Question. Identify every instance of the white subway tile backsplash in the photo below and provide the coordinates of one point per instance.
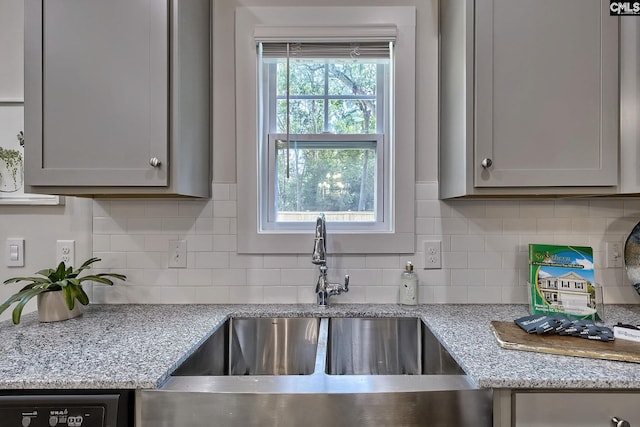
(485, 260)
(426, 190)
(195, 209)
(502, 243)
(212, 295)
(519, 225)
(101, 242)
(425, 225)
(452, 226)
(195, 277)
(106, 225)
(467, 208)
(588, 225)
(571, 208)
(281, 295)
(211, 260)
(467, 277)
(161, 208)
(484, 251)
(246, 294)
(224, 242)
(606, 208)
(135, 225)
(553, 225)
(225, 209)
(485, 225)
(468, 243)
(178, 225)
(127, 243)
(220, 192)
(127, 208)
(450, 295)
(146, 259)
(227, 276)
(200, 243)
(451, 260)
(384, 261)
(221, 226)
(160, 277)
(263, 277)
(484, 295)
(502, 209)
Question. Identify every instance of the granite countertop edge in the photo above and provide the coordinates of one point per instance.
(138, 346)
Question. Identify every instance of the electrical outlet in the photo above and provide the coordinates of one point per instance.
(613, 252)
(177, 253)
(432, 254)
(66, 252)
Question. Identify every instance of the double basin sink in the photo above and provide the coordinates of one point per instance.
(319, 371)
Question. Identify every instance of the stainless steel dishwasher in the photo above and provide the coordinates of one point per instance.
(66, 408)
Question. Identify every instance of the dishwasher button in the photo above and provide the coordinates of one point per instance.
(26, 421)
(53, 421)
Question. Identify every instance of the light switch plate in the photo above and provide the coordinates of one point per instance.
(14, 253)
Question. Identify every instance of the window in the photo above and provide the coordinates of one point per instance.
(325, 110)
(344, 131)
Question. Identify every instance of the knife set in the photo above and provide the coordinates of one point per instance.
(561, 325)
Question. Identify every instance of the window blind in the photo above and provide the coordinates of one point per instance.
(372, 41)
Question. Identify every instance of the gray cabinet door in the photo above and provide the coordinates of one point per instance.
(546, 93)
(97, 99)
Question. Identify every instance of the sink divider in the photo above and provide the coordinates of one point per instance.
(321, 349)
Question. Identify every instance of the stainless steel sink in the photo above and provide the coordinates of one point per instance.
(316, 372)
(257, 346)
(386, 346)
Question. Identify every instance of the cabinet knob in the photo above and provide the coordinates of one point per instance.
(155, 162)
(617, 422)
(486, 163)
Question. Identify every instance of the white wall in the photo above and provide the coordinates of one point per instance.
(484, 242)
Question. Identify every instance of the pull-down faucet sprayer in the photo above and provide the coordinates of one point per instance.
(324, 289)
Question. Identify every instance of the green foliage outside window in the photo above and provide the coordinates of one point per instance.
(327, 96)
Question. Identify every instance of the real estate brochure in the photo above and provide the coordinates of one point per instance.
(561, 281)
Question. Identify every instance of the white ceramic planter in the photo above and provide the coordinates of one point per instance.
(52, 307)
(11, 171)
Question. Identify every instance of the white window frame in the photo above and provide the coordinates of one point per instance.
(325, 23)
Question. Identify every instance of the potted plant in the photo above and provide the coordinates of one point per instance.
(57, 291)
(10, 170)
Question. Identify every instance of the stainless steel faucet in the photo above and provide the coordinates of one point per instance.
(324, 289)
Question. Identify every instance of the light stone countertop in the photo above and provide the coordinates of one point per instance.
(138, 346)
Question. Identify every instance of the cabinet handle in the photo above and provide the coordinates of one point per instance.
(155, 162)
(486, 163)
(617, 422)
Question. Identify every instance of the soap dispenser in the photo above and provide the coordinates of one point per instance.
(408, 286)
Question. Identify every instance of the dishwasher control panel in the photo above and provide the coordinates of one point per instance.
(59, 411)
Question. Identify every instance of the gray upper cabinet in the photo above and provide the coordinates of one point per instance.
(529, 98)
(117, 97)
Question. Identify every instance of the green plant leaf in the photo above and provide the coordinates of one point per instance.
(69, 297)
(46, 272)
(78, 293)
(26, 296)
(25, 279)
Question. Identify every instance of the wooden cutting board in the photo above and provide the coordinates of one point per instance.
(511, 336)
